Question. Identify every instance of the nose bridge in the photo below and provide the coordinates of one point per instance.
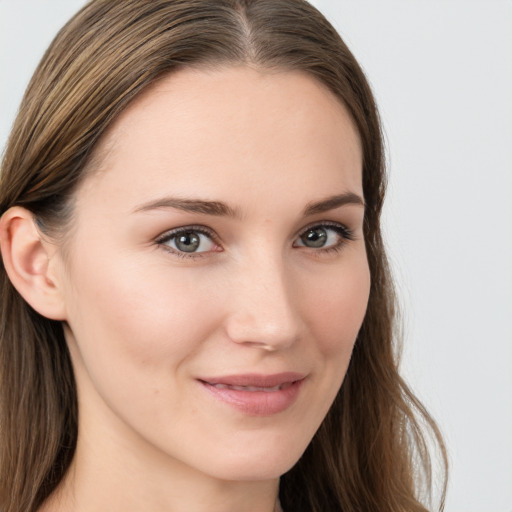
(264, 311)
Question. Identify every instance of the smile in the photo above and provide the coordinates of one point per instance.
(253, 388)
(256, 395)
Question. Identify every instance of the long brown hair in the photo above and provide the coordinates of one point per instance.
(371, 453)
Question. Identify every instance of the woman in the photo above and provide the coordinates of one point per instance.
(197, 310)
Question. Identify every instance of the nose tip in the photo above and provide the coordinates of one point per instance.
(254, 330)
(264, 315)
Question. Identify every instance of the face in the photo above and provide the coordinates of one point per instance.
(216, 276)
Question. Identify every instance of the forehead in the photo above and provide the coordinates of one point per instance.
(234, 126)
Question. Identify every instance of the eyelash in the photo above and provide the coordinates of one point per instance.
(170, 235)
(344, 232)
(346, 235)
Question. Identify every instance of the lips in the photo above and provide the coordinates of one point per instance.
(253, 388)
(255, 394)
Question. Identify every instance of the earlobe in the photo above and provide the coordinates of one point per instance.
(27, 256)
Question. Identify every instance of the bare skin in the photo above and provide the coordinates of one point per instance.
(273, 282)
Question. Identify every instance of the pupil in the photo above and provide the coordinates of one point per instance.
(187, 242)
(315, 237)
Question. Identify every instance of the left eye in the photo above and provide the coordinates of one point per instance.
(189, 241)
(323, 237)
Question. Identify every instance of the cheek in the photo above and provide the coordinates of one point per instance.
(338, 306)
(139, 316)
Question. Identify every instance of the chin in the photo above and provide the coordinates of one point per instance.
(256, 465)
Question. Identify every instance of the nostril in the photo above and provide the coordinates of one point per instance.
(263, 311)
(268, 335)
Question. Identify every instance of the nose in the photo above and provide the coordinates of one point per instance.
(264, 311)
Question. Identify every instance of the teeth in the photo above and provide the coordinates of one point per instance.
(251, 388)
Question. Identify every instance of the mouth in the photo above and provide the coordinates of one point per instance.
(254, 394)
(252, 388)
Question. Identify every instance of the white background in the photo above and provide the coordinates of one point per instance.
(442, 74)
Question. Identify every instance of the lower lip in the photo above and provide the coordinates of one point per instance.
(257, 403)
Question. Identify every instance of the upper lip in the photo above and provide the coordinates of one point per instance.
(255, 379)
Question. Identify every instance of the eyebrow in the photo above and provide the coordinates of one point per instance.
(220, 209)
(205, 207)
(333, 202)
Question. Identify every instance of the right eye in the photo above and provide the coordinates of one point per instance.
(188, 241)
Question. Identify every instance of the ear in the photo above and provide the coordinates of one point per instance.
(30, 262)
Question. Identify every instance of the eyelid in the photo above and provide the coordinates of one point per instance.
(328, 224)
(172, 233)
(346, 234)
(167, 235)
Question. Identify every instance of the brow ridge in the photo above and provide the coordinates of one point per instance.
(333, 202)
(217, 208)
